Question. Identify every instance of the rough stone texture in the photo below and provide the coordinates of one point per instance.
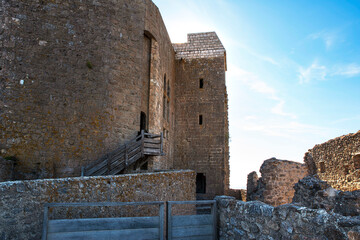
(21, 202)
(257, 220)
(202, 147)
(6, 170)
(314, 193)
(238, 194)
(72, 81)
(278, 177)
(337, 162)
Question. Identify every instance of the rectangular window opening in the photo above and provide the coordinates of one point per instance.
(322, 167)
(200, 183)
(201, 83)
(200, 119)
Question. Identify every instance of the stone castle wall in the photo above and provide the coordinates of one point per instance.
(257, 220)
(337, 162)
(276, 185)
(73, 81)
(22, 202)
(201, 112)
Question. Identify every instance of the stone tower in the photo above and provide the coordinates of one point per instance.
(201, 140)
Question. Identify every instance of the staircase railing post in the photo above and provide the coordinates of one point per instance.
(142, 143)
(161, 143)
(108, 164)
(126, 156)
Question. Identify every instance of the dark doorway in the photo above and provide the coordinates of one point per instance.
(200, 183)
(143, 125)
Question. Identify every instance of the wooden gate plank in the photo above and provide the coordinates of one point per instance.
(192, 231)
(191, 220)
(128, 234)
(94, 224)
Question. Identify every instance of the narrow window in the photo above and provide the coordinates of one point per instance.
(143, 125)
(164, 82)
(200, 183)
(164, 133)
(322, 167)
(200, 119)
(164, 107)
(201, 85)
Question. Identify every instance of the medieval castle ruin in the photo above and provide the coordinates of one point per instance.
(97, 105)
(80, 79)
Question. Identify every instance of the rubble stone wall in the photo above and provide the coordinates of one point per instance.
(72, 81)
(314, 193)
(278, 177)
(337, 162)
(257, 220)
(22, 202)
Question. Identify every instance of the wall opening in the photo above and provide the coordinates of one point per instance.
(144, 166)
(200, 119)
(200, 183)
(201, 83)
(322, 167)
(143, 121)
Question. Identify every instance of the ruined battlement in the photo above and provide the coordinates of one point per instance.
(200, 45)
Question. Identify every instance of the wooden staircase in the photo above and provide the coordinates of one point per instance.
(145, 144)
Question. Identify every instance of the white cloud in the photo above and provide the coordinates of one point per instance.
(313, 72)
(328, 37)
(252, 81)
(350, 70)
(279, 110)
(317, 72)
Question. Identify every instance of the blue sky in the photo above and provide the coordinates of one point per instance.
(293, 74)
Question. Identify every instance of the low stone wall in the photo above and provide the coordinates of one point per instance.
(21, 202)
(257, 220)
(337, 162)
(278, 177)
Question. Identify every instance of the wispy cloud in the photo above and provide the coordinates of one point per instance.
(328, 37)
(254, 83)
(316, 71)
(313, 72)
(350, 70)
(279, 110)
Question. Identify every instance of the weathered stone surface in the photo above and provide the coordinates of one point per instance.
(285, 222)
(21, 202)
(72, 81)
(275, 186)
(337, 162)
(317, 194)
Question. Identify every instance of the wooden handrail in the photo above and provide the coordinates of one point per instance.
(126, 154)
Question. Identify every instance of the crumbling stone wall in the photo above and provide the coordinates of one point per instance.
(21, 202)
(278, 177)
(337, 162)
(72, 81)
(314, 193)
(257, 220)
(201, 139)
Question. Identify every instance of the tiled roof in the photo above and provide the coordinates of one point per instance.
(200, 45)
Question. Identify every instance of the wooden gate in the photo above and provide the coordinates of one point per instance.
(194, 223)
(132, 228)
(199, 224)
